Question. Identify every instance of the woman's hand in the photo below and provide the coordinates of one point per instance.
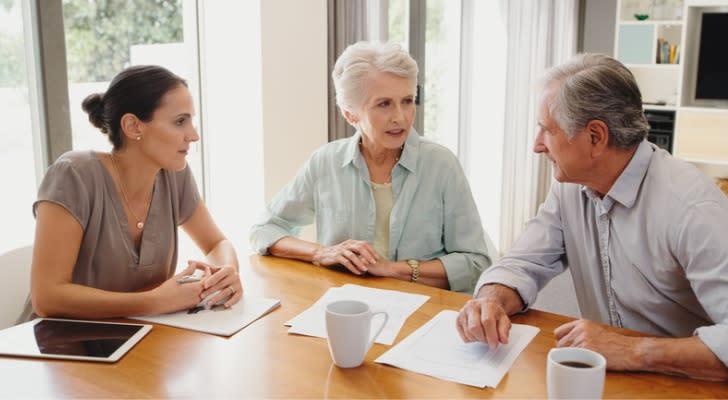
(356, 255)
(385, 267)
(176, 296)
(223, 278)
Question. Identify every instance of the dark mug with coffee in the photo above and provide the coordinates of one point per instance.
(575, 373)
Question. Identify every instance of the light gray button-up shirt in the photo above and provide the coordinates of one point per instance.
(433, 216)
(652, 255)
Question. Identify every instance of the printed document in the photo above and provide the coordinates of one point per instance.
(436, 349)
(398, 305)
(218, 320)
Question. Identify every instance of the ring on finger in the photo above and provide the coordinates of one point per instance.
(232, 290)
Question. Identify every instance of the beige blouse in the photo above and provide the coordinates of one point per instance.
(107, 259)
(383, 200)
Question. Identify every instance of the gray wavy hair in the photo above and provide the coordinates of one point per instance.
(598, 87)
(361, 59)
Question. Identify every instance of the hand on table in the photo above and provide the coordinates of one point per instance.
(223, 278)
(616, 348)
(383, 267)
(484, 320)
(174, 296)
(356, 255)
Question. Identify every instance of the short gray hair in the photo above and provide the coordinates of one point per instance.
(361, 59)
(598, 87)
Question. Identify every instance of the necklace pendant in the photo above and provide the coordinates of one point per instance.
(140, 225)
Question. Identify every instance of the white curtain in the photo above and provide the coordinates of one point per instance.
(541, 33)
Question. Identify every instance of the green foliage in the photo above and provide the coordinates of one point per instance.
(434, 36)
(99, 33)
(12, 52)
(397, 23)
(433, 27)
(12, 60)
(6, 5)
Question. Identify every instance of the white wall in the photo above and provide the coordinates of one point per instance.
(294, 50)
(263, 67)
(598, 29)
(231, 107)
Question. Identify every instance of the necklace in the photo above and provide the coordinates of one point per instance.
(139, 223)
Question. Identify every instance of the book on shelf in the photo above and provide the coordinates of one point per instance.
(667, 53)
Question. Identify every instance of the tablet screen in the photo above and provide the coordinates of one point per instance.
(59, 338)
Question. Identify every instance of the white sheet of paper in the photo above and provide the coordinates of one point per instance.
(399, 306)
(436, 349)
(220, 321)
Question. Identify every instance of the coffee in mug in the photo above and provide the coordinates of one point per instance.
(575, 373)
(348, 328)
(576, 364)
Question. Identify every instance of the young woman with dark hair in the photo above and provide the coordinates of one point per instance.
(106, 241)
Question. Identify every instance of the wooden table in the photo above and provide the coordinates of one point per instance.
(264, 361)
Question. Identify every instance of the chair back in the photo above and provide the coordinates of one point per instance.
(14, 284)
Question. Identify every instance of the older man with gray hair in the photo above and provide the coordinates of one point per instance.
(642, 232)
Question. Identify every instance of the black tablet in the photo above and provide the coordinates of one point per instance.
(71, 339)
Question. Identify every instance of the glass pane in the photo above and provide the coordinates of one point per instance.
(232, 95)
(105, 36)
(399, 22)
(442, 72)
(16, 136)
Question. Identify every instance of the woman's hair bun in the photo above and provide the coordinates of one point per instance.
(93, 105)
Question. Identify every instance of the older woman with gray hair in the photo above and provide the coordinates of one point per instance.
(385, 201)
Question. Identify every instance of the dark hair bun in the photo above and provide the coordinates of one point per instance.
(93, 105)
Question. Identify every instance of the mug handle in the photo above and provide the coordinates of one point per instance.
(374, 337)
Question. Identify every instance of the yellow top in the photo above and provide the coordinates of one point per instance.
(383, 200)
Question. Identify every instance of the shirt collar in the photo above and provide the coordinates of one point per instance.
(408, 159)
(409, 156)
(352, 150)
(626, 187)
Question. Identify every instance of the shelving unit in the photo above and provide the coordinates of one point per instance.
(700, 134)
(636, 46)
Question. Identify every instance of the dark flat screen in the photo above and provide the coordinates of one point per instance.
(712, 76)
(79, 338)
(74, 339)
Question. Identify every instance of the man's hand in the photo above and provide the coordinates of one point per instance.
(619, 350)
(484, 320)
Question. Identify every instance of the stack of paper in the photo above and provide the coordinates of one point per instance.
(437, 350)
(398, 305)
(219, 320)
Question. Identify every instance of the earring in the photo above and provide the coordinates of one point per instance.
(138, 138)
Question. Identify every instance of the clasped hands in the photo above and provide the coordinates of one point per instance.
(224, 279)
(485, 320)
(358, 256)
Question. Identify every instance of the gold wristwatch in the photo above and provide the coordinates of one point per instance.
(415, 265)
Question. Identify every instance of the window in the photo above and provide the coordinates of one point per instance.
(462, 44)
(103, 37)
(441, 64)
(17, 152)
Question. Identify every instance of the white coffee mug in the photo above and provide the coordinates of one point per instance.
(348, 327)
(575, 373)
